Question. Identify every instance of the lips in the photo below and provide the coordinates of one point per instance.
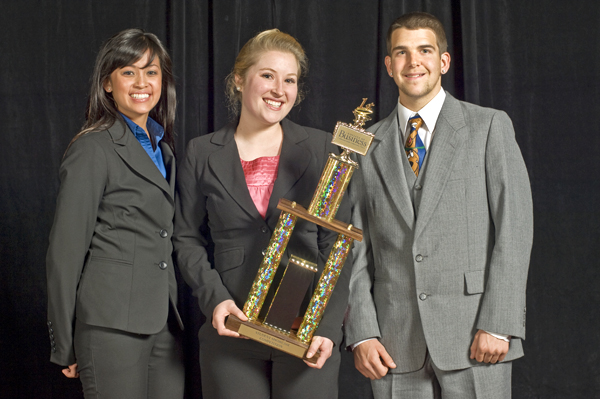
(273, 103)
(414, 75)
(139, 96)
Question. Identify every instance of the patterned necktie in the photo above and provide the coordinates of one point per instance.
(414, 147)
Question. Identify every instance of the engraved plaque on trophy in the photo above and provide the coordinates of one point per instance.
(275, 329)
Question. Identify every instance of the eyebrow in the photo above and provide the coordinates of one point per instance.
(274, 71)
(422, 46)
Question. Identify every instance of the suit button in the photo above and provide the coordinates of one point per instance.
(49, 324)
(418, 187)
(162, 265)
(264, 229)
(419, 258)
(422, 296)
(264, 251)
(53, 350)
(163, 233)
(50, 330)
(52, 337)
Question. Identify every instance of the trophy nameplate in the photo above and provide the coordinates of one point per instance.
(276, 329)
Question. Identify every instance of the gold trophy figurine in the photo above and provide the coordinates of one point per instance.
(275, 329)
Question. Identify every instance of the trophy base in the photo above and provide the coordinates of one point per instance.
(265, 335)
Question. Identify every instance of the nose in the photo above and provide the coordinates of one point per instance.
(277, 89)
(141, 79)
(414, 59)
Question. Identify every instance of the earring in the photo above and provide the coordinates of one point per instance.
(443, 71)
(237, 88)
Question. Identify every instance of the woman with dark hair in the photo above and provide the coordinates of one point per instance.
(112, 293)
(228, 187)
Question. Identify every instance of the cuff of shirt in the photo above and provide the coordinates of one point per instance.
(354, 345)
(503, 337)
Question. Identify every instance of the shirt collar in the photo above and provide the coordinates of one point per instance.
(429, 113)
(154, 128)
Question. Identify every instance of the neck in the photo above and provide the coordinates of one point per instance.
(258, 141)
(416, 104)
(141, 121)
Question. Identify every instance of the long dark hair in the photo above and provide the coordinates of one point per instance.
(123, 49)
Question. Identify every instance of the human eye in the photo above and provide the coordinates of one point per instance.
(152, 72)
(290, 81)
(267, 75)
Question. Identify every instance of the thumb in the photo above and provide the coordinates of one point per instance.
(387, 359)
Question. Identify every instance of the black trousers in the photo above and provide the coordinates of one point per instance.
(116, 364)
(242, 368)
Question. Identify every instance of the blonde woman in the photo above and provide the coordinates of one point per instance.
(229, 184)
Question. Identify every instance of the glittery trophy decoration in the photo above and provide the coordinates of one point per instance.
(275, 328)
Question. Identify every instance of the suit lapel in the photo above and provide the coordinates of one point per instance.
(449, 136)
(293, 162)
(226, 165)
(133, 154)
(387, 158)
(169, 159)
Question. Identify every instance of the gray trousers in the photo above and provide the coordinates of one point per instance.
(116, 364)
(234, 368)
(491, 381)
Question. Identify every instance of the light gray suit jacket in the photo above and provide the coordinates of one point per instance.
(447, 254)
(109, 260)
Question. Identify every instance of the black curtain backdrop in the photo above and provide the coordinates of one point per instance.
(535, 59)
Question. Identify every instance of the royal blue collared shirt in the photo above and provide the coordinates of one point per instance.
(157, 132)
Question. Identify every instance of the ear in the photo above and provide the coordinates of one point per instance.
(445, 61)
(388, 65)
(107, 85)
(238, 83)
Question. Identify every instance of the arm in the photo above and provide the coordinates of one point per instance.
(361, 325)
(83, 174)
(509, 196)
(190, 238)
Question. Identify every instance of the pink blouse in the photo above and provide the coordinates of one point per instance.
(261, 174)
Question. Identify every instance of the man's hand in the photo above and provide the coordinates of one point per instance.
(488, 349)
(372, 360)
(325, 345)
(71, 371)
(223, 310)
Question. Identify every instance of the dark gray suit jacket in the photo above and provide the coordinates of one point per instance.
(449, 254)
(214, 205)
(109, 261)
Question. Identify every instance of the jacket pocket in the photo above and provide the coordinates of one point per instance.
(474, 282)
(229, 259)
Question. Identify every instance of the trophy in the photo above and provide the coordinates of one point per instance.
(275, 328)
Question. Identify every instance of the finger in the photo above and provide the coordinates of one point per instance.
(479, 355)
(501, 357)
(239, 314)
(314, 346)
(473, 350)
(387, 359)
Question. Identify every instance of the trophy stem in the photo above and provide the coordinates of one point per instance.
(269, 265)
(324, 289)
(332, 186)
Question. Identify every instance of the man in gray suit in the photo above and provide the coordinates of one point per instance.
(437, 295)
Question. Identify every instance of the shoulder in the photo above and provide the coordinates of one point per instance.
(474, 112)
(306, 136)
(90, 144)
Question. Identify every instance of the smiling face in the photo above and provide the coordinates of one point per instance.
(416, 66)
(136, 88)
(269, 89)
